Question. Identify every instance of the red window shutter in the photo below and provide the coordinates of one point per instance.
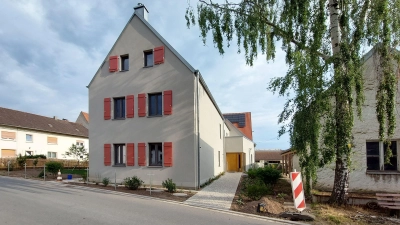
(107, 154)
(130, 154)
(107, 108)
(142, 154)
(130, 106)
(142, 105)
(159, 55)
(168, 154)
(113, 63)
(168, 102)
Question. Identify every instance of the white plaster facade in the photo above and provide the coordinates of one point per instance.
(37, 143)
(362, 179)
(196, 127)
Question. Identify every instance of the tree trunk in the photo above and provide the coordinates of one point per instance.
(342, 112)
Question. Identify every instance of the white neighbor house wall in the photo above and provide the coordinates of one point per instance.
(211, 138)
(178, 128)
(363, 131)
(236, 144)
(39, 143)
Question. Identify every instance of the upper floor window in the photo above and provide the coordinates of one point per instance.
(79, 143)
(29, 138)
(52, 140)
(148, 58)
(155, 104)
(376, 152)
(5, 135)
(119, 108)
(124, 62)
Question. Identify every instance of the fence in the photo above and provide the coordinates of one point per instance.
(30, 163)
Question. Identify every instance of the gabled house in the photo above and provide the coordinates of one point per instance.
(29, 134)
(152, 113)
(368, 172)
(268, 156)
(83, 119)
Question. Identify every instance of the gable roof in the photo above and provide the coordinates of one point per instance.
(18, 119)
(243, 122)
(268, 155)
(85, 115)
(190, 67)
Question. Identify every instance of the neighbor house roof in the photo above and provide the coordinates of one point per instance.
(268, 155)
(86, 115)
(18, 119)
(242, 121)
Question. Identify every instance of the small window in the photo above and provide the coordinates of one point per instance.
(219, 158)
(124, 62)
(52, 155)
(119, 108)
(119, 154)
(155, 154)
(28, 152)
(155, 104)
(148, 59)
(79, 143)
(29, 138)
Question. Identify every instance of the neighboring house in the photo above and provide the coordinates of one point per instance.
(83, 119)
(368, 172)
(242, 121)
(29, 134)
(152, 113)
(265, 157)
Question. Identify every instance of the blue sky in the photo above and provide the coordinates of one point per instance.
(50, 50)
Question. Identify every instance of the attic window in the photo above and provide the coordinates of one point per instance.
(148, 58)
(124, 62)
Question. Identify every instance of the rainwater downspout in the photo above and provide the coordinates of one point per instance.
(197, 74)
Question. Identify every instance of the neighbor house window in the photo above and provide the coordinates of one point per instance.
(79, 143)
(119, 108)
(28, 152)
(155, 154)
(124, 62)
(5, 135)
(51, 155)
(29, 138)
(155, 104)
(51, 140)
(119, 154)
(376, 152)
(148, 58)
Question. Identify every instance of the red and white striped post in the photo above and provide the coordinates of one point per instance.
(297, 189)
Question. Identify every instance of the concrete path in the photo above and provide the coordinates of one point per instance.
(219, 194)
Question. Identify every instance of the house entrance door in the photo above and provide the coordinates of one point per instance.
(234, 162)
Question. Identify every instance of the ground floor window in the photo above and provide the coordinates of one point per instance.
(376, 152)
(155, 154)
(119, 154)
(28, 152)
(52, 155)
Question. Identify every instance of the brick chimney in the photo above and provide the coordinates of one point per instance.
(141, 11)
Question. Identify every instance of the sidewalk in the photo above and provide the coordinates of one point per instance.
(219, 194)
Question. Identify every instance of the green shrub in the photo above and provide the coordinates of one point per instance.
(169, 185)
(133, 183)
(53, 167)
(84, 177)
(21, 160)
(268, 175)
(255, 188)
(41, 174)
(36, 157)
(35, 162)
(106, 181)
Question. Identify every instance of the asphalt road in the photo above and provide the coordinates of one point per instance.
(38, 202)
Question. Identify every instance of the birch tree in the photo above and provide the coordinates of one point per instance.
(324, 41)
